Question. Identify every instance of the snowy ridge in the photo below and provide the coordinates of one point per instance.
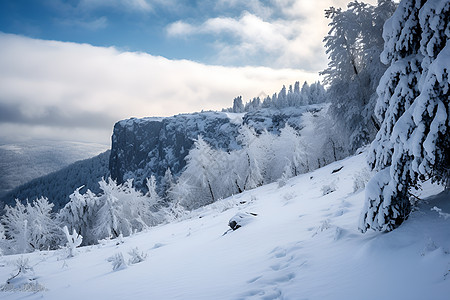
(303, 244)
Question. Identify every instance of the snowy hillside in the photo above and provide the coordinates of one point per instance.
(22, 162)
(303, 243)
(58, 185)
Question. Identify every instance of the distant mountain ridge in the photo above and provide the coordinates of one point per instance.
(58, 185)
(24, 161)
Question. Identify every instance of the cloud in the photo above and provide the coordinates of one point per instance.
(78, 90)
(278, 34)
(96, 24)
(130, 5)
(180, 29)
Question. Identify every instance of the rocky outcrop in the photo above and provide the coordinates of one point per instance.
(148, 146)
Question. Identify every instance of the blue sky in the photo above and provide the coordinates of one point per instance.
(127, 25)
(71, 69)
(225, 32)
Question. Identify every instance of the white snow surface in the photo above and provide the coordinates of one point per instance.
(301, 245)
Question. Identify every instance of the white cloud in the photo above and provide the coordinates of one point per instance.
(286, 33)
(96, 24)
(132, 5)
(77, 89)
(180, 29)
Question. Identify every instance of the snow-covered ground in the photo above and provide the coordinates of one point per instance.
(301, 245)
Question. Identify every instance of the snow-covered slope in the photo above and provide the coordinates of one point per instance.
(58, 185)
(301, 245)
(24, 161)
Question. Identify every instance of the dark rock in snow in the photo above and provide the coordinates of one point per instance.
(337, 170)
(241, 219)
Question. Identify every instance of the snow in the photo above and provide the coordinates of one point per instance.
(301, 245)
(235, 118)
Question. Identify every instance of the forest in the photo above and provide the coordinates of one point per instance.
(385, 92)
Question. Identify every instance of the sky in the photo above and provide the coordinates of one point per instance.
(70, 69)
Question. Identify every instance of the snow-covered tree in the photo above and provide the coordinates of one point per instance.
(31, 227)
(122, 209)
(167, 183)
(353, 45)
(199, 174)
(73, 240)
(15, 221)
(79, 214)
(250, 169)
(110, 221)
(44, 232)
(238, 105)
(413, 104)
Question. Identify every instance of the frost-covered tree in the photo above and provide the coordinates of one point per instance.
(110, 220)
(15, 221)
(167, 183)
(73, 240)
(199, 174)
(250, 171)
(288, 154)
(79, 214)
(353, 45)
(122, 209)
(412, 144)
(30, 226)
(238, 105)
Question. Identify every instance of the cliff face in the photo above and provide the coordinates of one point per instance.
(148, 146)
(142, 147)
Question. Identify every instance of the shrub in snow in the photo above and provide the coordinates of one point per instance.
(136, 256)
(73, 240)
(441, 214)
(360, 180)
(329, 188)
(119, 239)
(22, 279)
(413, 143)
(241, 219)
(117, 261)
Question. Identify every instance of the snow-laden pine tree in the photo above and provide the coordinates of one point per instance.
(238, 105)
(110, 221)
(30, 226)
(200, 175)
(15, 221)
(167, 183)
(3, 242)
(412, 144)
(123, 210)
(353, 45)
(250, 171)
(79, 214)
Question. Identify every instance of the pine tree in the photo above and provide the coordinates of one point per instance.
(167, 183)
(238, 105)
(199, 173)
(353, 44)
(412, 144)
(79, 214)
